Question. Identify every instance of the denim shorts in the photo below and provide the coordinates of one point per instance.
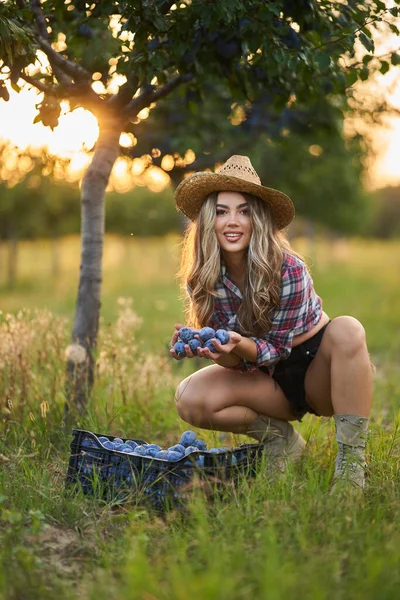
(290, 373)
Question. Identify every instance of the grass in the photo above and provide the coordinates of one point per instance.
(287, 540)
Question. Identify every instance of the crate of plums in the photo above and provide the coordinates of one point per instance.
(120, 469)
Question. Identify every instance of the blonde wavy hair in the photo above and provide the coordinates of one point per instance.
(201, 264)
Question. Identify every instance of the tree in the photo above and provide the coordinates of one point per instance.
(291, 48)
(386, 222)
(300, 150)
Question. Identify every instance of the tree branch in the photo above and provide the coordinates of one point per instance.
(40, 19)
(387, 55)
(42, 87)
(339, 39)
(85, 95)
(125, 93)
(67, 66)
(64, 69)
(42, 29)
(150, 96)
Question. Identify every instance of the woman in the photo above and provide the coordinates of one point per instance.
(285, 357)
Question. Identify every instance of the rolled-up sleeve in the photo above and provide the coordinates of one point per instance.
(299, 310)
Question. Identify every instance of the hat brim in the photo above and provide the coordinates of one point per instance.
(192, 191)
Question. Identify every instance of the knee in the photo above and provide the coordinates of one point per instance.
(190, 405)
(346, 333)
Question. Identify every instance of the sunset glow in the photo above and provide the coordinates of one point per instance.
(75, 136)
(73, 139)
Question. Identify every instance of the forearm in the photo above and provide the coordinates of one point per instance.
(246, 349)
(227, 360)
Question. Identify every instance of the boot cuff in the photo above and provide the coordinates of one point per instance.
(351, 429)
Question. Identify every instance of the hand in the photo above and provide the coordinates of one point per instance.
(174, 339)
(234, 339)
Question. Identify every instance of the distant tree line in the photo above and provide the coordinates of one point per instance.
(386, 213)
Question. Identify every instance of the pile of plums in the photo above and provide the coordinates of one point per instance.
(199, 339)
(188, 444)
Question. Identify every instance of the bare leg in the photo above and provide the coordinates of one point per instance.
(339, 383)
(339, 380)
(251, 403)
(225, 400)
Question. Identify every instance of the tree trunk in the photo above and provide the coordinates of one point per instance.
(80, 367)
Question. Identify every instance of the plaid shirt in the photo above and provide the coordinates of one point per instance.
(300, 309)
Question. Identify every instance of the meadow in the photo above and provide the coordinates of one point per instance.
(290, 539)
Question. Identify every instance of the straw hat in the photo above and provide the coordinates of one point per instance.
(236, 175)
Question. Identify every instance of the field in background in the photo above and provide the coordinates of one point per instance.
(286, 540)
(356, 277)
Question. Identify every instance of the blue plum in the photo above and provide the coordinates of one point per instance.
(117, 440)
(187, 438)
(109, 445)
(207, 333)
(210, 346)
(103, 439)
(186, 334)
(222, 336)
(131, 443)
(153, 447)
(194, 344)
(177, 448)
(88, 443)
(152, 451)
(191, 449)
(179, 348)
(140, 450)
(200, 445)
(162, 454)
(173, 456)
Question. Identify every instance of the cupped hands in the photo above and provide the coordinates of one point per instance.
(205, 352)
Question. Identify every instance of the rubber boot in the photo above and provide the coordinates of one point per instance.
(351, 437)
(281, 442)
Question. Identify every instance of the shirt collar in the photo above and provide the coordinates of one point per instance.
(227, 281)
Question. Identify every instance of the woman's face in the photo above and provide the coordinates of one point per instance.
(233, 225)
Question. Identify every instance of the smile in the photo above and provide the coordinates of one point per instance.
(233, 237)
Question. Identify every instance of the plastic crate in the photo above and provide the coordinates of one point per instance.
(162, 484)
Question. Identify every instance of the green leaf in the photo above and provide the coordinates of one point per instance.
(367, 59)
(395, 58)
(37, 119)
(15, 87)
(384, 67)
(394, 11)
(324, 60)
(364, 74)
(351, 77)
(366, 42)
